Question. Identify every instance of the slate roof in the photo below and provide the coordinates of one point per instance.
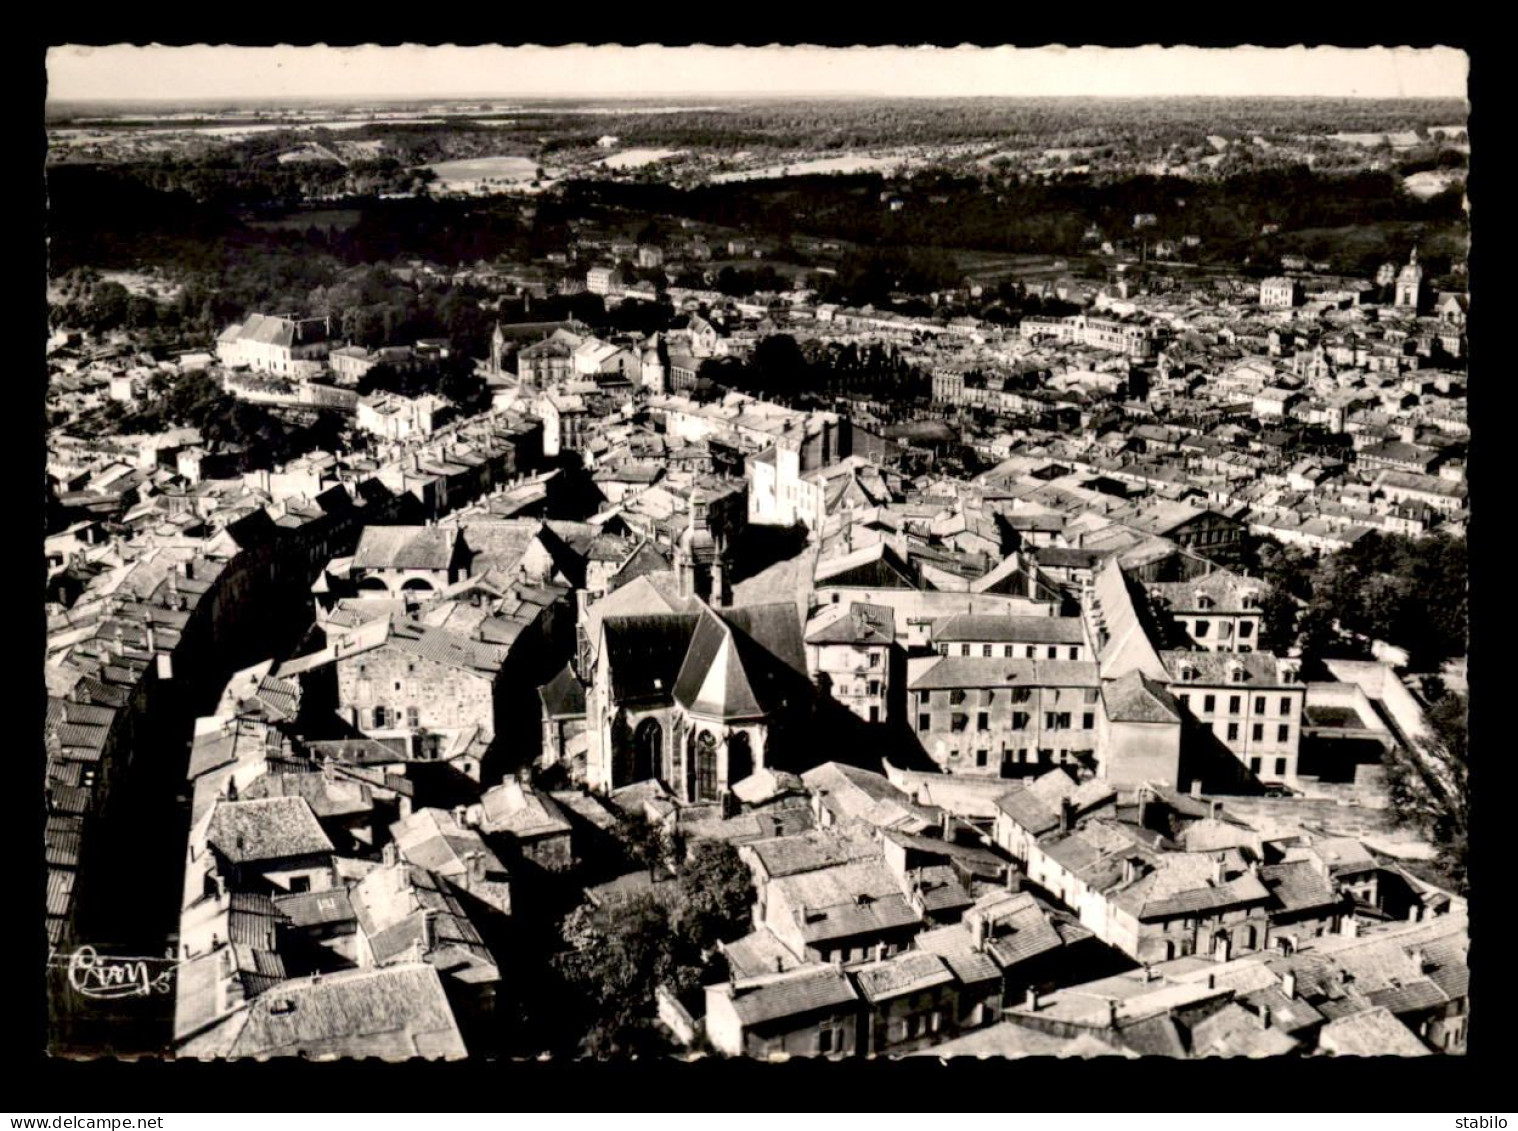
(563, 697)
(644, 654)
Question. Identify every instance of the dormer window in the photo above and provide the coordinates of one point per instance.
(1203, 601)
(1235, 673)
(1188, 673)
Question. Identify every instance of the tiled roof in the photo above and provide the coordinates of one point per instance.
(1008, 629)
(909, 972)
(791, 994)
(394, 1013)
(1297, 886)
(975, 671)
(272, 829)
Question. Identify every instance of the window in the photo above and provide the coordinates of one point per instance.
(874, 686)
(1233, 732)
(1259, 704)
(1053, 652)
(874, 714)
(1246, 629)
(1022, 694)
(1186, 700)
(300, 883)
(1209, 703)
(380, 717)
(982, 757)
(983, 721)
(964, 649)
(922, 697)
(397, 685)
(957, 696)
(1007, 651)
(1020, 720)
(1254, 765)
(825, 1039)
(365, 690)
(1286, 704)
(1201, 629)
(1258, 732)
(1088, 720)
(1028, 653)
(943, 649)
(1075, 653)
(874, 659)
(1236, 674)
(1280, 765)
(985, 651)
(924, 722)
(958, 721)
(1283, 733)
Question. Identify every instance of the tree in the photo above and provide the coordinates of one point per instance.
(715, 891)
(1429, 786)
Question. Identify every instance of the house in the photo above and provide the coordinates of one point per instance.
(434, 691)
(530, 821)
(1216, 612)
(910, 999)
(273, 843)
(1280, 291)
(811, 1011)
(440, 842)
(407, 914)
(849, 652)
(394, 1013)
(1252, 703)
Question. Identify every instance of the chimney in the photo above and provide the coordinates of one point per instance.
(1264, 1017)
(1350, 927)
(946, 826)
(1213, 806)
(1418, 959)
(1196, 787)
(1289, 984)
(1031, 1005)
(1220, 870)
(1212, 981)
(1066, 814)
(459, 813)
(1112, 1013)
(779, 964)
(1014, 879)
(390, 854)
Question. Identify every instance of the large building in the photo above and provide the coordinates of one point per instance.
(282, 345)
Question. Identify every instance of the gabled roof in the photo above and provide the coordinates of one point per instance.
(270, 829)
(771, 997)
(1135, 698)
(405, 547)
(645, 655)
(563, 697)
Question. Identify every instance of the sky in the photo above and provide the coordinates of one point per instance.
(202, 72)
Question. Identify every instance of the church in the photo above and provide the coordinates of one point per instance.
(691, 693)
(1410, 285)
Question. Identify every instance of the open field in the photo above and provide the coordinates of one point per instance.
(474, 170)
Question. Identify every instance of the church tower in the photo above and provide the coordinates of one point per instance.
(1410, 284)
(497, 350)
